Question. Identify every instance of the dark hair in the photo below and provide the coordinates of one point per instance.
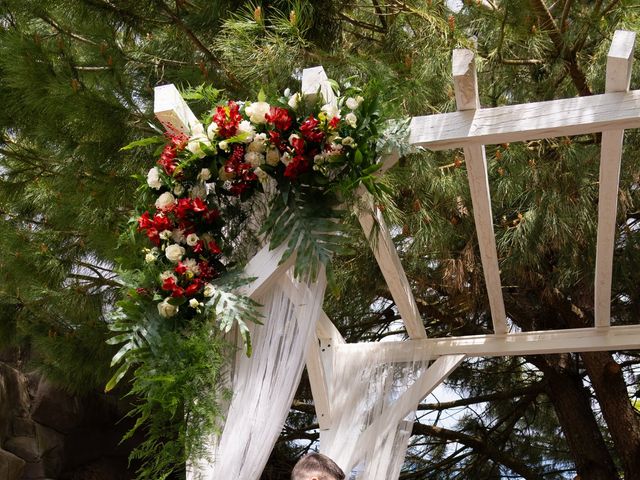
(316, 465)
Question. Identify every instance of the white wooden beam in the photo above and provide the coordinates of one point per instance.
(314, 81)
(466, 88)
(522, 343)
(408, 401)
(266, 268)
(389, 262)
(555, 118)
(619, 62)
(173, 112)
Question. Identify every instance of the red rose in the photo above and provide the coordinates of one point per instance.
(144, 221)
(297, 166)
(280, 118)
(298, 145)
(310, 130)
(193, 288)
(181, 268)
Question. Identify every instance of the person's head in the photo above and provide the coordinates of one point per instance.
(316, 466)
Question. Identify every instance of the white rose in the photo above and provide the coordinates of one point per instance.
(174, 253)
(204, 175)
(247, 129)
(260, 138)
(257, 112)
(286, 158)
(197, 129)
(256, 146)
(166, 234)
(150, 257)
(193, 303)
(353, 103)
(294, 100)
(212, 130)
(351, 119)
(320, 158)
(191, 265)
(165, 200)
(178, 189)
(199, 190)
(273, 156)
(166, 310)
(209, 290)
(192, 239)
(331, 110)
(153, 178)
(223, 145)
(195, 144)
(348, 142)
(254, 159)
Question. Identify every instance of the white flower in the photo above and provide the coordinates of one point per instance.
(331, 110)
(165, 200)
(168, 274)
(212, 130)
(178, 189)
(197, 129)
(204, 175)
(287, 92)
(293, 137)
(257, 146)
(348, 142)
(209, 290)
(273, 156)
(257, 111)
(254, 159)
(223, 145)
(166, 310)
(177, 235)
(353, 103)
(166, 234)
(195, 144)
(260, 138)
(193, 303)
(199, 190)
(261, 174)
(174, 253)
(223, 175)
(247, 129)
(320, 158)
(286, 158)
(351, 119)
(151, 257)
(334, 149)
(192, 239)
(191, 265)
(294, 100)
(153, 178)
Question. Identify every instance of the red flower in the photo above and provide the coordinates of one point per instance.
(169, 284)
(162, 222)
(198, 247)
(310, 130)
(144, 221)
(212, 215)
(183, 207)
(177, 292)
(214, 248)
(298, 145)
(227, 118)
(154, 236)
(207, 272)
(333, 123)
(181, 268)
(193, 288)
(168, 159)
(297, 166)
(280, 118)
(198, 205)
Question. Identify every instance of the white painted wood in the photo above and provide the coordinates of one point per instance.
(570, 116)
(326, 329)
(265, 266)
(619, 63)
(390, 419)
(315, 80)
(387, 256)
(466, 88)
(522, 343)
(173, 112)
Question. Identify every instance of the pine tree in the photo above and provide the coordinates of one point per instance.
(76, 79)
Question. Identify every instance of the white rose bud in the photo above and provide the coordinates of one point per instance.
(178, 189)
(174, 253)
(273, 156)
(352, 103)
(294, 100)
(212, 130)
(247, 129)
(153, 178)
(150, 257)
(204, 175)
(165, 200)
(351, 119)
(348, 142)
(166, 234)
(198, 191)
(223, 145)
(257, 112)
(193, 303)
(192, 239)
(195, 144)
(209, 290)
(166, 310)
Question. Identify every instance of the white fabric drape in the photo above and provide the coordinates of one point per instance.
(264, 384)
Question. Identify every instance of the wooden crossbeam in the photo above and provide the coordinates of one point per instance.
(522, 343)
(467, 99)
(619, 62)
(530, 121)
(173, 112)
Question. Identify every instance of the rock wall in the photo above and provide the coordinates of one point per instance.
(48, 434)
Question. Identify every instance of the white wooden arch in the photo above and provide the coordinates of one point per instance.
(374, 434)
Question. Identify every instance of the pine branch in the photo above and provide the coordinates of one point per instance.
(480, 446)
(56, 26)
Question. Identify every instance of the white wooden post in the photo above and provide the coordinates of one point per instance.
(619, 63)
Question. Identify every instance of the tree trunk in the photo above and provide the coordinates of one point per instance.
(571, 401)
(622, 419)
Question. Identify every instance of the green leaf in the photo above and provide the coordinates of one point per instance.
(144, 142)
(121, 372)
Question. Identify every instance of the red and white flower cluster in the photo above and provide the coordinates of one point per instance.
(243, 145)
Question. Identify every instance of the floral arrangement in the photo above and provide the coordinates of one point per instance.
(305, 157)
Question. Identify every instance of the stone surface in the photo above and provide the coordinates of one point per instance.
(23, 427)
(14, 398)
(24, 447)
(11, 466)
(55, 408)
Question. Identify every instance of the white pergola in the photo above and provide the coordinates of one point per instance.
(338, 370)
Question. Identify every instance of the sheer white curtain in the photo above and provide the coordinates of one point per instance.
(264, 384)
